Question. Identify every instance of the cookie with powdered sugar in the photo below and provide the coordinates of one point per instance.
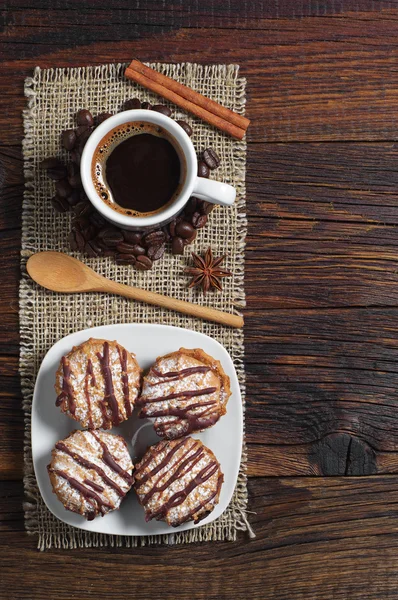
(91, 472)
(97, 384)
(184, 392)
(178, 481)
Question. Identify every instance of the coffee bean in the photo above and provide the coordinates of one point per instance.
(108, 230)
(102, 117)
(108, 252)
(184, 229)
(125, 248)
(81, 129)
(156, 252)
(138, 250)
(177, 245)
(60, 204)
(146, 106)
(57, 173)
(92, 249)
(96, 219)
(73, 169)
(195, 218)
(191, 238)
(211, 158)
(172, 227)
(84, 117)
(206, 208)
(68, 139)
(112, 238)
(187, 128)
(75, 181)
(201, 221)
(51, 162)
(154, 238)
(132, 104)
(167, 235)
(83, 139)
(132, 237)
(125, 259)
(82, 209)
(203, 169)
(63, 188)
(164, 110)
(143, 263)
(74, 198)
(76, 240)
(76, 156)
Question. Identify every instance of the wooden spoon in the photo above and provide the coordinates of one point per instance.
(62, 273)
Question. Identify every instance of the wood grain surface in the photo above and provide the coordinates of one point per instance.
(322, 295)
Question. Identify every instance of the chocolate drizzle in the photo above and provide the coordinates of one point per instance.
(160, 466)
(111, 462)
(109, 395)
(84, 491)
(95, 486)
(203, 503)
(125, 380)
(177, 375)
(89, 465)
(67, 390)
(183, 394)
(89, 373)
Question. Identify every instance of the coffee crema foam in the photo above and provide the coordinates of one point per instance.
(106, 146)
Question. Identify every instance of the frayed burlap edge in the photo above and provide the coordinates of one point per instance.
(63, 536)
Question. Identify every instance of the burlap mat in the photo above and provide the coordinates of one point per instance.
(54, 96)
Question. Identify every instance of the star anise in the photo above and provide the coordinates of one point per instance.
(205, 272)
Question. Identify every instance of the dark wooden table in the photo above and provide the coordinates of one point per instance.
(322, 294)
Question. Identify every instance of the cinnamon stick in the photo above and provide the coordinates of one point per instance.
(192, 101)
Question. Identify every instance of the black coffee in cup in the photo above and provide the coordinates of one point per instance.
(137, 170)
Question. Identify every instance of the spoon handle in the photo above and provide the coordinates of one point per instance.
(188, 308)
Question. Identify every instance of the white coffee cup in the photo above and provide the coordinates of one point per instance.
(205, 189)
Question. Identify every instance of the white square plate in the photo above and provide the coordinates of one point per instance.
(49, 424)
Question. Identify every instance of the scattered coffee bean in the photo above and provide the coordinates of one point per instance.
(92, 249)
(76, 240)
(74, 198)
(51, 162)
(63, 188)
(76, 156)
(83, 139)
(167, 235)
(84, 117)
(211, 158)
(132, 237)
(177, 245)
(57, 173)
(125, 259)
(125, 248)
(192, 237)
(184, 229)
(161, 108)
(195, 218)
(81, 129)
(206, 208)
(112, 238)
(201, 222)
(187, 128)
(172, 227)
(108, 252)
(203, 169)
(82, 209)
(97, 220)
(102, 117)
(75, 181)
(146, 106)
(138, 250)
(156, 252)
(132, 104)
(89, 231)
(154, 238)
(72, 169)
(143, 263)
(60, 204)
(68, 139)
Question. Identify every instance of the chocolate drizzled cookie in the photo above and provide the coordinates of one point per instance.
(91, 472)
(184, 392)
(97, 384)
(178, 481)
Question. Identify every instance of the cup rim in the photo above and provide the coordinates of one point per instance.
(181, 138)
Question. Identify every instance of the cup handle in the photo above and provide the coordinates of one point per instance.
(215, 192)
